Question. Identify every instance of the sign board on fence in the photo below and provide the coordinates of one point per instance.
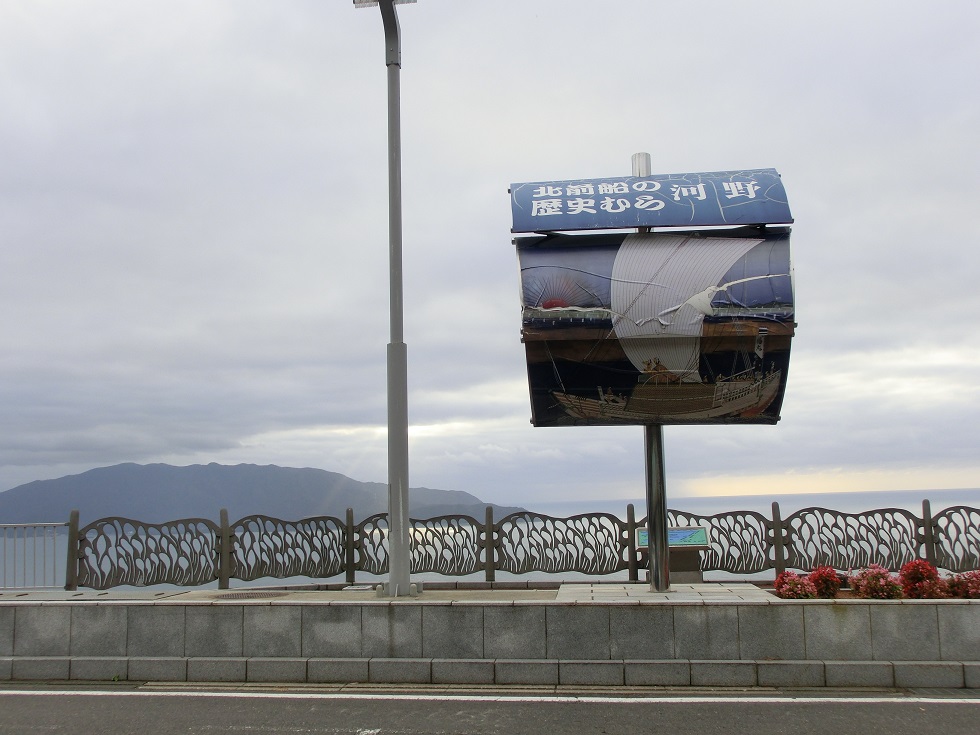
(659, 328)
(750, 197)
(678, 536)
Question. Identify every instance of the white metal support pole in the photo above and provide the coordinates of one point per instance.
(658, 550)
(399, 548)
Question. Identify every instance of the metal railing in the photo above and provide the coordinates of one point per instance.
(119, 551)
(30, 554)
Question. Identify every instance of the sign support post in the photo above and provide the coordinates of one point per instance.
(658, 548)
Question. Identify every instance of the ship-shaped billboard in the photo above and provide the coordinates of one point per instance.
(687, 327)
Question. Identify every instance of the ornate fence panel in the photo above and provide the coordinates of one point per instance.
(119, 551)
(957, 539)
(270, 547)
(592, 544)
(741, 541)
(449, 545)
(818, 536)
(371, 544)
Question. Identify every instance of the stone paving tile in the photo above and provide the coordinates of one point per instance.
(677, 593)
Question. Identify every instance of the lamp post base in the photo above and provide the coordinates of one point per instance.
(388, 589)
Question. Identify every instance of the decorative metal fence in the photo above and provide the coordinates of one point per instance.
(118, 551)
(955, 534)
(741, 541)
(269, 547)
(595, 543)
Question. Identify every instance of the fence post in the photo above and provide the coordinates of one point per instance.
(349, 546)
(224, 550)
(489, 547)
(71, 565)
(779, 552)
(631, 560)
(928, 533)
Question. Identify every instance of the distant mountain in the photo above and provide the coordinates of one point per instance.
(160, 492)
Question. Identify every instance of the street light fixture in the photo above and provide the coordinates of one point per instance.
(399, 548)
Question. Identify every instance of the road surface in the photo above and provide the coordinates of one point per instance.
(129, 708)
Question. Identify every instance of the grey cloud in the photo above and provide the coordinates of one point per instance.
(193, 238)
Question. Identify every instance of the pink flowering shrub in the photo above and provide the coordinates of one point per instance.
(920, 580)
(825, 581)
(966, 585)
(790, 585)
(875, 582)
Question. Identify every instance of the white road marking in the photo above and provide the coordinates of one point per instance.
(621, 700)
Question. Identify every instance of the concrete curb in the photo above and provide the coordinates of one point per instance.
(668, 673)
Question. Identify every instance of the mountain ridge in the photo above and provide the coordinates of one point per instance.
(154, 493)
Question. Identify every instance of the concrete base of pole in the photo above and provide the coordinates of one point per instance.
(399, 523)
(386, 589)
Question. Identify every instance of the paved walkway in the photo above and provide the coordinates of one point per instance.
(714, 591)
(568, 593)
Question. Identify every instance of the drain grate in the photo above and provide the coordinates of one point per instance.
(251, 595)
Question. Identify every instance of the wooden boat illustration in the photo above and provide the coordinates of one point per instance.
(746, 394)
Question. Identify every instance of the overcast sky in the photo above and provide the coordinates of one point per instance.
(193, 231)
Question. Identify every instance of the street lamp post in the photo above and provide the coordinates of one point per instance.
(399, 549)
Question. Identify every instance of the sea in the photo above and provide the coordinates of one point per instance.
(41, 563)
(852, 502)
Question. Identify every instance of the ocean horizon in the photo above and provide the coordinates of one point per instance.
(849, 502)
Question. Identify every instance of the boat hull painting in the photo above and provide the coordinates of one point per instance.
(657, 329)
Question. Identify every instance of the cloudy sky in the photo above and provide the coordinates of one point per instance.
(193, 231)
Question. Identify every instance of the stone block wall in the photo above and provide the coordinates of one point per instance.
(783, 642)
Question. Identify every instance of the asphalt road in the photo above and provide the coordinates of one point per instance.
(133, 709)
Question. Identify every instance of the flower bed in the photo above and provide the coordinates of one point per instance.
(917, 579)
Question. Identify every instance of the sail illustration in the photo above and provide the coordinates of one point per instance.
(659, 285)
(657, 328)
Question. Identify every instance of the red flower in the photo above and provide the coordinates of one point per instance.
(921, 580)
(826, 581)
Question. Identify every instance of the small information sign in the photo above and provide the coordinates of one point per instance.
(678, 537)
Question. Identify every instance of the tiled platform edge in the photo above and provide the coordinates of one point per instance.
(814, 643)
(674, 673)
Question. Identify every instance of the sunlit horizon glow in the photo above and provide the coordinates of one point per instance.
(882, 481)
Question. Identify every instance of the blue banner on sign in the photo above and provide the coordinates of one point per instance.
(752, 197)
